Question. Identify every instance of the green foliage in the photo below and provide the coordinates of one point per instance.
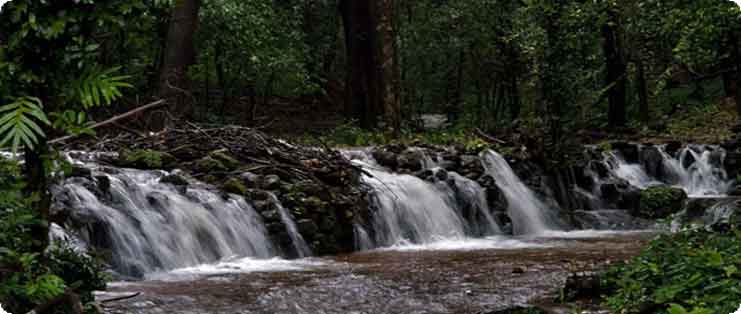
(99, 87)
(660, 201)
(17, 125)
(28, 278)
(691, 272)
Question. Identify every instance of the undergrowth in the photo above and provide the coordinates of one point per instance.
(695, 272)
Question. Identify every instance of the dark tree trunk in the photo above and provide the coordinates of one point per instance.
(179, 54)
(737, 57)
(642, 90)
(372, 69)
(456, 104)
(37, 189)
(361, 95)
(616, 69)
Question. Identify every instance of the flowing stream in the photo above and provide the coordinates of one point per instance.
(431, 245)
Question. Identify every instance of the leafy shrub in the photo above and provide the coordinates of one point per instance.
(29, 278)
(692, 272)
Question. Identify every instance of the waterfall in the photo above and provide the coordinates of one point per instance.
(696, 168)
(411, 210)
(635, 174)
(151, 226)
(696, 172)
(471, 195)
(302, 249)
(528, 213)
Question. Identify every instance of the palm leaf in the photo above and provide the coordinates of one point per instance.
(100, 87)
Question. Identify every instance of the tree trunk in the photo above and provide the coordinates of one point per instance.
(37, 189)
(642, 90)
(737, 57)
(179, 54)
(372, 69)
(616, 69)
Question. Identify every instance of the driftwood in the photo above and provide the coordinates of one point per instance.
(488, 137)
(114, 119)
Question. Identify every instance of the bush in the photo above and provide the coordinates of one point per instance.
(29, 278)
(660, 202)
(692, 272)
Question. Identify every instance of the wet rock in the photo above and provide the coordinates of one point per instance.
(208, 165)
(147, 159)
(174, 179)
(257, 195)
(629, 151)
(519, 270)
(441, 175)
(410, 160)
(385, 158)
(653, 161)
(80, 172)
(660, 202)
(308, 187)
(234, 186)
(271, 182)
(251, 180)
(307, 228)
(104, 184)
(225, 159)
(270, 215)
(582, 285)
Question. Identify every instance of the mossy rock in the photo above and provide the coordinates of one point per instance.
(209, 165)
(147, 159)
(225, 159)
(660, 202)
(234, 186)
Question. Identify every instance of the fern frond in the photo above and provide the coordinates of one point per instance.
(100, 87)
(19, 123)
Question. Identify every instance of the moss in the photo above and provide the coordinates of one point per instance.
(208, 165)
(234, 186)
(605, 146)
(225, 159)
(148, 159)
(660, 202)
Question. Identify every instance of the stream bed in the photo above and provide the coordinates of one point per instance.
(466, 276)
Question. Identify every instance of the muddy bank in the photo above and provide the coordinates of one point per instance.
(477, 281)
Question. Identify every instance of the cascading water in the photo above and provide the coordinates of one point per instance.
(410, 210)
(528, 213)
(635, 174)
(151, 226)
(696, 172)
(697, 169)
(302, 249)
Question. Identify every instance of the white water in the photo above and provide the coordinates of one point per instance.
(471, 194)
(528, 213)
(411, 210)
(700, 177)
(692, 170)
(302, 249)
(153, 227)
(633, 173)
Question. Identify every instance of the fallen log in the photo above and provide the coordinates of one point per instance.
(146, 107)
(488, 137)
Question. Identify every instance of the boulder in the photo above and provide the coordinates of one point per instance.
(208, 165)
(410, 159)
(307, 228)
(223, 156)
(234, 186)
(385, 158)
(147, 159)
(582, 285)
(174, 179)
(652, 161)
(629, 151)
(251, 180)
(659, 202)
(271, 182)
(81, 172)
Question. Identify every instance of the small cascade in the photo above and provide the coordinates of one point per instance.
(152, 227)
(528, 213)
(472, 197)
(635, 174)
(698, 170)
(411, 210)
(302, 249)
